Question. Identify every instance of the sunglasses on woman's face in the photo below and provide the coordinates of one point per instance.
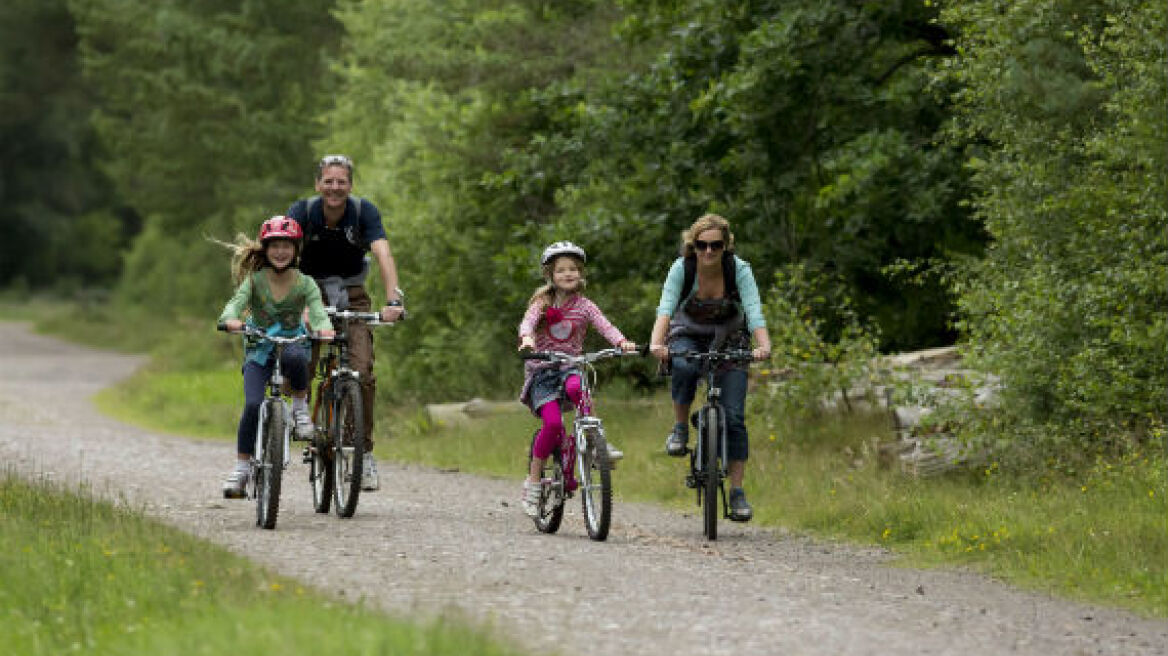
(708, 245)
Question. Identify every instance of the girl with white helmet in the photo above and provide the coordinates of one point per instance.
(557, 318)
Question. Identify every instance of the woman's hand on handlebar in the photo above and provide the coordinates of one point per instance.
(761, 353)
(660, 351)
(391, 313)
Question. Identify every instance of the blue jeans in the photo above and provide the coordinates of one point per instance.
(733, 383)
(294, 365)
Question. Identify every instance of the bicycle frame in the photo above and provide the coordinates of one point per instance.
(590, 460)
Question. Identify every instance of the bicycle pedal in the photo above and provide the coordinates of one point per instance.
(691, 482)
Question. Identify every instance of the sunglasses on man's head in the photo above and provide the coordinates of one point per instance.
(715, 245)
(335, 160)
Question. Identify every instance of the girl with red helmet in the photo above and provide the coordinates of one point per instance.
(271, 294)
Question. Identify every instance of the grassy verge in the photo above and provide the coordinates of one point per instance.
(88, 577)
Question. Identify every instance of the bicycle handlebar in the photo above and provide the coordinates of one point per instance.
(583, 358)
(370, 318)
(252, 331)
(731, 355)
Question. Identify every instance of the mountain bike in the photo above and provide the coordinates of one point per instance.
(336, 452)
(708, 461)
(272, 434)
(587, 451)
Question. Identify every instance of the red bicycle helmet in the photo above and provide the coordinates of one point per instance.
(280, 227)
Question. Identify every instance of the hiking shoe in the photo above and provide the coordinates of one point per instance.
(235, 485)
(369, 478)
(740, 510)
(303, 424)
(614, 453)
(530, 498)
(676, 443)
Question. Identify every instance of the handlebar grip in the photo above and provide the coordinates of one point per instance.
(534, 355)
(221, 326)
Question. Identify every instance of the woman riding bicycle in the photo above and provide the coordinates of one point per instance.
(556, 319)
(710, 301)
(274, 295)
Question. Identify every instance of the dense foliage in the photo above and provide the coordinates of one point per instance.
(865, 151)
(1068, 305)
(60, 222)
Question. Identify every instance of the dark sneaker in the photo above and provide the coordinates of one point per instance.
(740, 510)
(676, 443)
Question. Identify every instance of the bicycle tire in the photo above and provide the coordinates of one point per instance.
(348, 451)
(711, 425)
(321, 476)
(596, 487)
(550, 513)
(271, 466)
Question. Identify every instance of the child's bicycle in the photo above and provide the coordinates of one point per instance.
(272, 435)
(336, 452)
(587, 450)
(708, 462)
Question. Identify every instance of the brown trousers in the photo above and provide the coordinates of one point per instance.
(360, 357)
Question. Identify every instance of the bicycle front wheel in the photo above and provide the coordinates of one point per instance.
(711, 427)
(348, 447)
(596, 486)
(271, 464)
(550, 510)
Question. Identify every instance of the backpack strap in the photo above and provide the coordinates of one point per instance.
(729, 277)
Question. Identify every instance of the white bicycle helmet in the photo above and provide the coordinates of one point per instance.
(562, 248)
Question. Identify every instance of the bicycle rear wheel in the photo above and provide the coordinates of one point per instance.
(711, 425)
(271, 464)
(596, 486)
(348, 447)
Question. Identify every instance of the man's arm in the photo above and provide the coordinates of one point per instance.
(388, 269)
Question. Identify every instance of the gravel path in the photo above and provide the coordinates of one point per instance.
(431, 543)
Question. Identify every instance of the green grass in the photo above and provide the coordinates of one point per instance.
(89, 577)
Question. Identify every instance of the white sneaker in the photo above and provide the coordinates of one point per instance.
(369, 478)
(530, 498)
(614, 453)
(235, 485)
(303, 424)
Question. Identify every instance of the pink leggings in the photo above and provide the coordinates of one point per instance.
(552, 431)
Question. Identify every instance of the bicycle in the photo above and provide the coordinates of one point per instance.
(272, 434)
(708, 462)
(336, 451)
(587, 451)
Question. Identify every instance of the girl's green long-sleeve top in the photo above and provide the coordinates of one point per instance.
(282, 317)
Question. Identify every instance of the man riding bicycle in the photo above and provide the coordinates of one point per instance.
(341, 231)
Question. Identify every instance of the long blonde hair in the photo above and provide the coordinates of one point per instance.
(704, 223)
(546, 293)
(247, 256)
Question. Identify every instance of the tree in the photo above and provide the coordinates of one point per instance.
(1068, 100)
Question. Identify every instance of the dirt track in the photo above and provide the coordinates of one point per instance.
(434, 541)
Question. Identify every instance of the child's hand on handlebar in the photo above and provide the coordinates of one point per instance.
(527, 342)
(628, 347)
(233, 325)
(326, 335)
